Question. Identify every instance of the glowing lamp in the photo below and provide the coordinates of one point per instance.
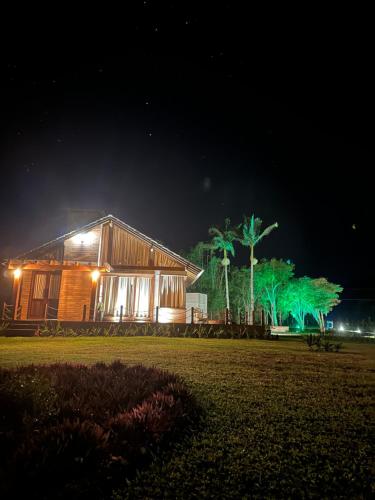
(17, 273)
(358, 330)
(341, 328)
(84, 238)
(95, 275)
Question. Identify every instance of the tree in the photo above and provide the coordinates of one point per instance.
(223, 241)
(239, 289)
(325, 298)
(270, 277)
(251, 236)
(304, 296)
(296, 298)
(211, 280)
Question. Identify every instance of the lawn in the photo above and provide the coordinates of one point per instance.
(280, 421)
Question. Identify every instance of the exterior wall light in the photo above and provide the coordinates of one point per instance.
(17, 273)
(84, 238)
(95, 275)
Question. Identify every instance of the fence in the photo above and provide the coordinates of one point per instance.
(8, 312)
(190, 315)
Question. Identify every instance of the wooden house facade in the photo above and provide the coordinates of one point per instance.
(105, 270)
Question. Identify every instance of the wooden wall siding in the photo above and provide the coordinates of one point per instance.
(55, 252)
(104, 245)
(163, 260)
(83, 252)
(75, 292)
(128, 250)
(25, 292)
(171, 315)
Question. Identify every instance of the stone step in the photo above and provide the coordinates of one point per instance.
(24, 322)
(22, 326)
(19, 332)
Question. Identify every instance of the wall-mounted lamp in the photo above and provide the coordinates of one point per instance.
(84, 238)
(17, 273)
(95, 275)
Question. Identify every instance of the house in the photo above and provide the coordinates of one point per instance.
(105, 270)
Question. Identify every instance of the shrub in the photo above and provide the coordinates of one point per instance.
(158, 330)
(3, 326)
(73, 430)
(320, 343)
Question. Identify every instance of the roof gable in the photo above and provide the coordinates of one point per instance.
(163, 256)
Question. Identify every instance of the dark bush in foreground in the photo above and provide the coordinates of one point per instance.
(76, 431)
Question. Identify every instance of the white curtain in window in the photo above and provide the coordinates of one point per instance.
(172, 291)
(54, 286)
(125, 296)
(109, 294)
(40, 283)
(142, 298)
(130, 292)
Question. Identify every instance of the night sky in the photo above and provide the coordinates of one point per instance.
(218, 122)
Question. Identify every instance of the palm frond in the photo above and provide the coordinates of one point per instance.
(268, 230)
(213, 230)
(229, 247)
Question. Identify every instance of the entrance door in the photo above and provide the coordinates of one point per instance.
(45, 295)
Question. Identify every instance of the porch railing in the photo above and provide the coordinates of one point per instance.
(158, 315)
(8, 312)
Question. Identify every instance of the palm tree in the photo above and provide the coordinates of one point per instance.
(251, 236)
(223, 240)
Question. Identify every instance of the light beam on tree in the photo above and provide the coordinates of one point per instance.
(251, 236)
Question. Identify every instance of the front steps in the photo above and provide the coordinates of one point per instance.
(19, 328)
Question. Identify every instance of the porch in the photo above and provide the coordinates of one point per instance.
(92, 294)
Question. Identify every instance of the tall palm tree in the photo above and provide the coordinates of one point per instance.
(223, 241)
(251, 236)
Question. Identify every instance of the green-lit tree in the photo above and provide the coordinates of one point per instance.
(325, 298)
(223, 241)
(304, 296)
(296, 298)
(251, 236)
(270, 277)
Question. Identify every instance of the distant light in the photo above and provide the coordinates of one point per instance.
(17, 273)
(358, 330)
(84, 238)
(341, 328)
(95, 275)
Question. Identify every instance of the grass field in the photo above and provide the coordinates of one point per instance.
(280, 421)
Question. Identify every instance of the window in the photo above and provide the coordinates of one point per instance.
(40, 285)
(54, 286)
(172, 291)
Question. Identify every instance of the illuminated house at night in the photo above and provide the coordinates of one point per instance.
(105, 270)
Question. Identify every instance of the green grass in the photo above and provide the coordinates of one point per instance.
(281, 421)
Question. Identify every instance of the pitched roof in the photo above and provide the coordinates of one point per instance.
(192, 268)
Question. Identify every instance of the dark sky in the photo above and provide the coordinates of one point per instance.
(218, 122)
